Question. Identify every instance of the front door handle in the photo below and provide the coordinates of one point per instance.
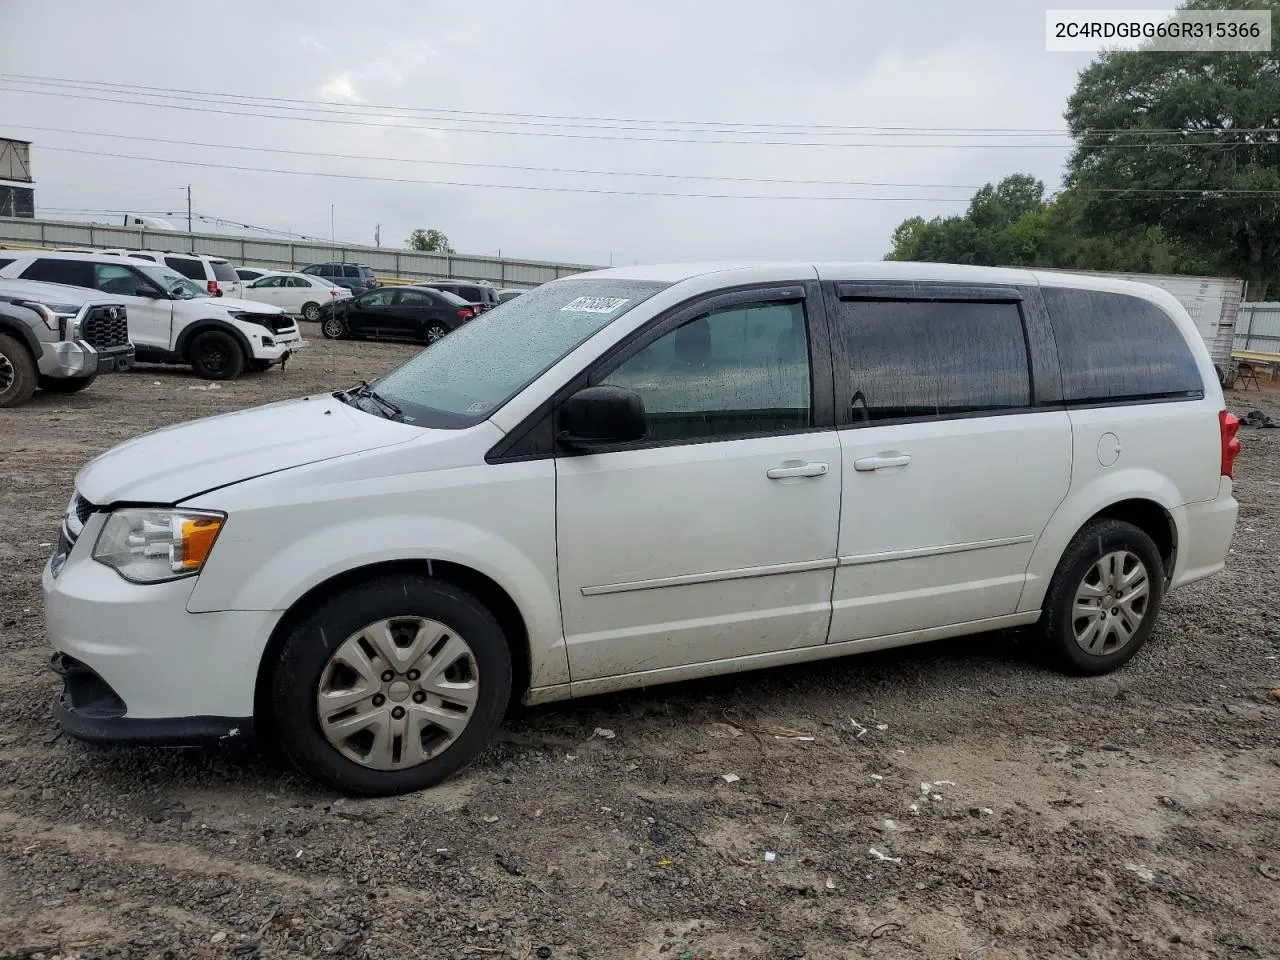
(796, 470)
(867, 464)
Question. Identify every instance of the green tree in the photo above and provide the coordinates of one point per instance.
(430, 241)
(1187, 143)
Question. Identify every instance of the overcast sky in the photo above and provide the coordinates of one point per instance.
(914, 63)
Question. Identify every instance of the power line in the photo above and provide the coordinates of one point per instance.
(492, 186)
(186, 107)
(584, 190)
(502, 166)
(495, 116)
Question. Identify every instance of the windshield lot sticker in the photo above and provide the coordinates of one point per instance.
(594, 304)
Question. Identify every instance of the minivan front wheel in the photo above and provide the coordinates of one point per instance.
(1103, 600)
(391, 686)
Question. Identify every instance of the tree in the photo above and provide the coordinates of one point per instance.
(1186, 143)
(430, 241)
(1010, 224)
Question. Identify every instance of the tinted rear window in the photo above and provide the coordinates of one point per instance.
(223, 270)
(931, 360)
(75, 273)
(191, 269)
(349, 270)
(367, 272)
(1113, 347)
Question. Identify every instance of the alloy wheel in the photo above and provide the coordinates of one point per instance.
(7, 374)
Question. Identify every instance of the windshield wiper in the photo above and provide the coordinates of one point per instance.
(364, 391)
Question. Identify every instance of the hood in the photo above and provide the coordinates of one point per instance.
(233, 303)
(178, 462)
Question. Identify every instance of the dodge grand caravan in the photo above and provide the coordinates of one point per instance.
(644, 475)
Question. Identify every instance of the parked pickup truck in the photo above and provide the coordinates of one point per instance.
(58, 339)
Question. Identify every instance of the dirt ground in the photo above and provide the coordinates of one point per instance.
(991, 809)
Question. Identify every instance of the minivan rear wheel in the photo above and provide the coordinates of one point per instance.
(1103, 600)
(390, 686)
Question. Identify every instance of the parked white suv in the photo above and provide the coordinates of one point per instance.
(171, 318)
(643, 475)
(216, 274)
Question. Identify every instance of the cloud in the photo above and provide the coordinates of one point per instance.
(929, 63)
(339, 87)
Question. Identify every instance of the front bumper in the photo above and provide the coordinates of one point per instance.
(73, 359)
(141, 668)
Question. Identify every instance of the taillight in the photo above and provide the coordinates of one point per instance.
(1228, 427)
(212, 286)
(465, 314)
(333, 293)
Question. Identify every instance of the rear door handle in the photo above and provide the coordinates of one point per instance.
(867, 464)
(796, 470)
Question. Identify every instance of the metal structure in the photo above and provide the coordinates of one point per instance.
(15, 167)
(288, 255)
(1258, 328)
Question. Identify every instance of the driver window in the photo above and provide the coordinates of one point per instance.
(737, 371)
(379, 298)
(119, 280)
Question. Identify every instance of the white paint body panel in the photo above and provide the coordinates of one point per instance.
(750, 557)
(966, 512)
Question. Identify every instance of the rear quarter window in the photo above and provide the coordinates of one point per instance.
(1113, 346)
(348, 270)
(75, 273)
(191, 269)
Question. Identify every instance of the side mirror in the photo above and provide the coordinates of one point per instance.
(601, 416)
(151, 293)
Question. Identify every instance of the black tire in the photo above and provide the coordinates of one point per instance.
(18, 372)
(333, 328)
(311, 311)
(66, 384)
(301, 661)
(216, 355)
(1061, 617)
(435, 331)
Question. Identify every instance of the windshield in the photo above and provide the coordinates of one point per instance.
(463, 378)
(171, 282)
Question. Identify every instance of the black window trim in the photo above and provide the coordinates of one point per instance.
(1043, 376)
(534, 437)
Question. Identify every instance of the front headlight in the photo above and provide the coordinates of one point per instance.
(151, 545)
(51, 314)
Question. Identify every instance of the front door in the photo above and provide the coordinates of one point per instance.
(150, 318)
(951, 471)
(370, 313)
(715, 537)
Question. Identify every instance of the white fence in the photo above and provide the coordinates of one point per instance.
(1258, 327)
(285, 254)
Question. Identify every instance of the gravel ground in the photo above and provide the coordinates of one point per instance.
(991, 808)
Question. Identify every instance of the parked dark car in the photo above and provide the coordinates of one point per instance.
(481, 296)
(418, 314)
(356, 277)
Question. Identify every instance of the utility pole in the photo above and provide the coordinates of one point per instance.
(333, 244)
(377, 235)
(191, 239)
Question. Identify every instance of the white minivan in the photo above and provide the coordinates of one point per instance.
(643, 475)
